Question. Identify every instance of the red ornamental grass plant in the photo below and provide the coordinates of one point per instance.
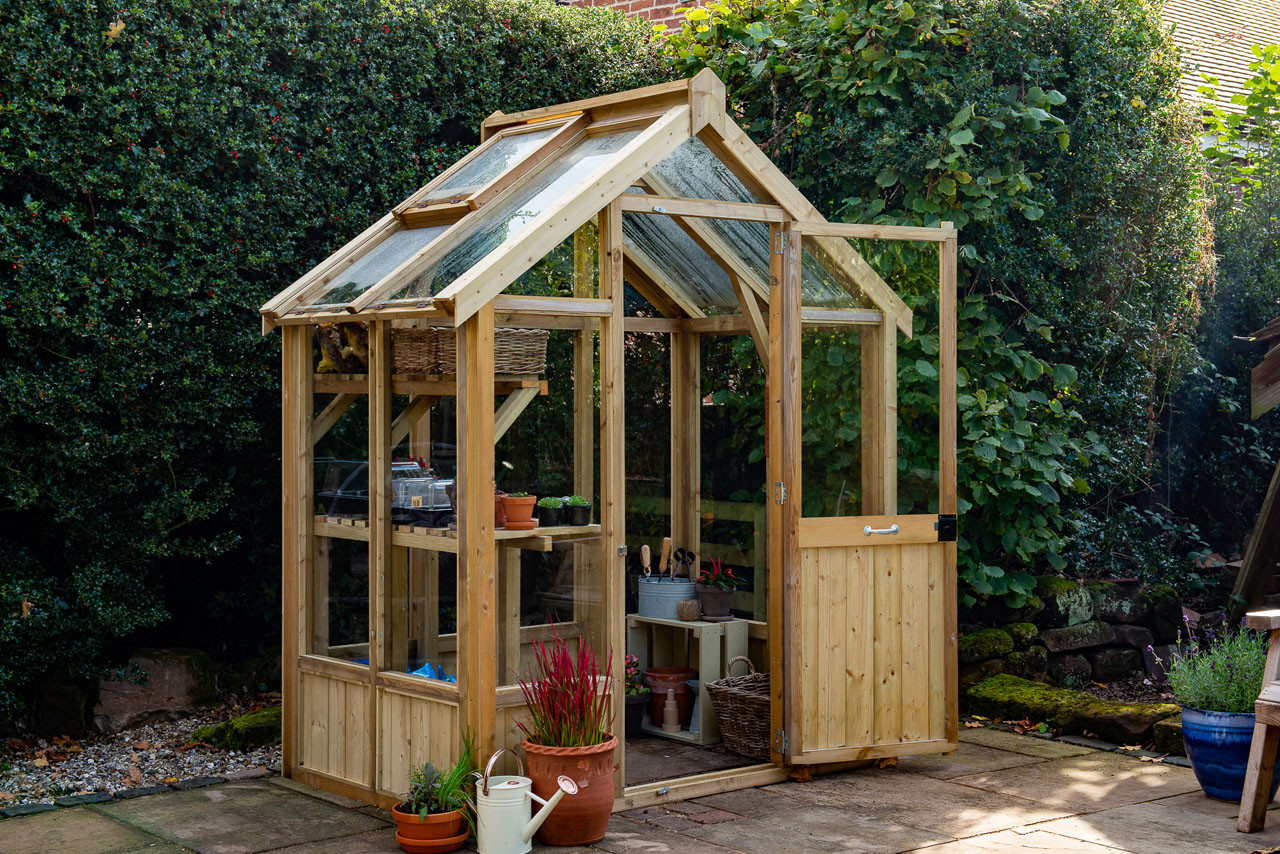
(568, 698)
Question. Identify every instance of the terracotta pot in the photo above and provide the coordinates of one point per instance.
(499, 515)
(658, 680)
(715, 602)
(518, 510)
(579, 819)
(435, 827)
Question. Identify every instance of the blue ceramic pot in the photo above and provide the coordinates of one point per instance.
(1217, 744)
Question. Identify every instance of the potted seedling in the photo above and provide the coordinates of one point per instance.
(433, 816)
(550, 511)
(568, 733)
(715, 588)
(577, 510)
(1216, 679)
(637, 696)
(517, 507)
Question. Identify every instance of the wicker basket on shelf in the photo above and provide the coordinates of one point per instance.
(413, 351)
(434, 350)
(741, 704)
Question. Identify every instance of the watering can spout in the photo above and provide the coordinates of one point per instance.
(567, 787)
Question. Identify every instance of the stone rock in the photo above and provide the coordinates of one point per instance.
(1164, 612)
(1065, 602)
(1068, 666)
(1022, 633)
(1011, 698)
(1029, 664)
(87, 798)
(1078, 636)
(993, 610)
(159, 685)
(1113, 663)
(1155, 659)
(1168, 736)
(982, 645)
(972, 674)
(1115, 603)
(254, 729)
(60, 708)
(1138, 637)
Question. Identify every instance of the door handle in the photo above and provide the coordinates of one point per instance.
(892, 529)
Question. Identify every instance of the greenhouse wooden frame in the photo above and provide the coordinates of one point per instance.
(859, 624)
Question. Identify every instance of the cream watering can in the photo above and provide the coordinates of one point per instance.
(503, 802)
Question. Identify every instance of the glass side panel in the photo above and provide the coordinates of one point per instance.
(505, 152)
(371, 267)
(680, 260)
(507, 221)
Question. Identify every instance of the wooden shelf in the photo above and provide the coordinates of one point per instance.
(435, 385)
(446, 540)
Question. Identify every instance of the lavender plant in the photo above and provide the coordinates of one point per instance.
(1218, 673)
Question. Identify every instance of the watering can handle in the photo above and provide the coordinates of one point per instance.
(488, 768)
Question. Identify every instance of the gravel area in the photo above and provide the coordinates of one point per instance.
(37, 771)
(1132, 689)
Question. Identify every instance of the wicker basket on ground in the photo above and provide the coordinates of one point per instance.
(741, 704)
(434, 350)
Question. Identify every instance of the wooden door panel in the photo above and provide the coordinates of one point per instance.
(872, 652)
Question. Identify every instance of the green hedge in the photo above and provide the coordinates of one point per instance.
(156, 186)
(1053, 135)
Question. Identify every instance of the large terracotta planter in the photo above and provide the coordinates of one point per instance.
(661, 679)
(441, 832)
(579, 819)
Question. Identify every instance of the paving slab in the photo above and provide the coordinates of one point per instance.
(1010, 842)
(80, 831)
(769, 800)
(1015, 743)
(633, 837)
(302, 788)
(370, 842)
(968, 759)
(239, 818)
(937, 806)
(1155, 829)
(1200, 802)
(813, 829)
(1088, 783)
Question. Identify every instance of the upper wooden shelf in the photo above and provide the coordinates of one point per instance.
(446, 540)
(436, 385)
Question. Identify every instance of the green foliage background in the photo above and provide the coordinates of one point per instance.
(155, 189)
(1052, 134)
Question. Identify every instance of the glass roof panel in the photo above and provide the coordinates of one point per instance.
(680, 260)
(375, 264)
(507, 221)
(504, 153)
(695, 172)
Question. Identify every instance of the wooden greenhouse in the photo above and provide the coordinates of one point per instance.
(669, 264)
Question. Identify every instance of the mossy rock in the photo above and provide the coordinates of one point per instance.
(1012, 698)
(1164, 608)
(1114, 662)
(1065, 602)
(1117, 604)
(994, 611)
(984, 644)
(255, 729)
(973, 674)
(1168, 736)
(1022, 633)
(1029, 664)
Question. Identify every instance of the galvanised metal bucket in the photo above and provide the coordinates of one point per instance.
(659, 596)
(1217, 744)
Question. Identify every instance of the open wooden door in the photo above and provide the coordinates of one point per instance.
(866, 663)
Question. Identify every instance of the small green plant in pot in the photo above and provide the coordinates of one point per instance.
(550, 511)
(434, 813)
(1216, 679)
(577, 510)
(568, 733)
(637, 696)
(715, 587)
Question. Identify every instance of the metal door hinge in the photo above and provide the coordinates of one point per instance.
(622, 550)
(779, 493)
(780, 742)
(947, 527)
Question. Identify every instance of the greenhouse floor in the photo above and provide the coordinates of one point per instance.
(999, 793)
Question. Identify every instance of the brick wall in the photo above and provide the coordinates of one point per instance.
(656, 11)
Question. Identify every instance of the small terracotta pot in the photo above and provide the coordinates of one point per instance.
(658, 680)
(715, 602)
(579, 819)
(499, 515)
(518, 510)
(436, 826)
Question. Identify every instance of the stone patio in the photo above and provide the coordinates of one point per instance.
(999, 793)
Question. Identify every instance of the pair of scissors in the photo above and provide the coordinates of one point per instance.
(683, 557)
